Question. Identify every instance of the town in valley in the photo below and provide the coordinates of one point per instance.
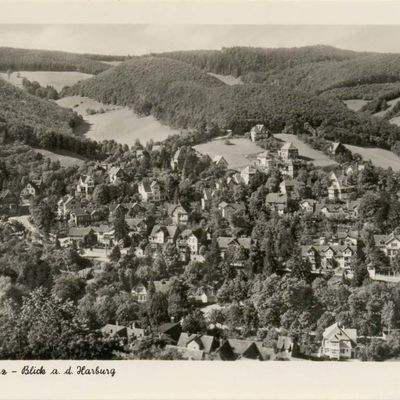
(189, 247)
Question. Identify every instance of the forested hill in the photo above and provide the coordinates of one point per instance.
(23, 113)
(183, 96)
(247, 62)
(314, 68)
(46, 60)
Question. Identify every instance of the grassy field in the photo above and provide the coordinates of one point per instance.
(355, 104)
(56, 79)
(379, 157)
(318, 158)
(118, 123)
(228, 79)
(66, 159)
(240, 153)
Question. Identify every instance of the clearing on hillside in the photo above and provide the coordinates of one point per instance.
(391, 104)
(227, 79)
(118, 123)
(67, 159)
(379, 157)
(355, 104)
(57, 79)
(318, 158)
(238, 153)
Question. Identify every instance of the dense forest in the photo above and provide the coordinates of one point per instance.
(186, 97)
(45, 60)
(345, 74)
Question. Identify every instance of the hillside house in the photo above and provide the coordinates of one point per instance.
(139, 293)
(8, 200)
(247, 174)
(206, 199)
(258, 132)
(265, 161)
(191, 240)
(198, 342)
(328, 257)
(162, 234)
(32, 188)
(178, 159)
(285, 348)
(170, 329)
(220, 161)
(288, 151)
(388, 244)
(178, 214)
(307, 205)
(228, 209)
(278, 202)
(337, 148)
(235, 245)
(66, 205)
(150, 192)
(338, 343)
(79, 217)
(116, 175)
(292, 188)
(339, 189)
(348, 210)
(85, 185)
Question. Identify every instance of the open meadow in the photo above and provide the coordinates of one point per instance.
(238, 153)
(118, 123)
(379, 157)
(227, 79)
(355, 104)
(67, 159)
(318, 158)
(57, 79)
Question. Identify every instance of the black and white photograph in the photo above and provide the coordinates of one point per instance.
(199, 192)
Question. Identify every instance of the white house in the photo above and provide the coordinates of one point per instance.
(338, 343)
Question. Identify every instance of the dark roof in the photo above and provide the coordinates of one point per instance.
(207, 342)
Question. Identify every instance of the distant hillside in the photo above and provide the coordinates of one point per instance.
(45, 60)
(246, 61)
(183, 96)
(345, 74)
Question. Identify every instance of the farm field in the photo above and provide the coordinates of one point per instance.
(66, 159)
(318, 158)
(118, 123)
(227, 79)
(238, 154)
(57, 79)
(379, 157)
(355, 104)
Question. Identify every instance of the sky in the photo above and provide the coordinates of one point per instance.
(134, 39)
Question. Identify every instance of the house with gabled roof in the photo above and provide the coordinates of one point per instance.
(139, 293)
(288, 151)
(338, 188)
(206, 199)
(112, 330)
(338, 343)
(85, 185)
(116, 175)
(258, 132)
(307, 205)
(337, 148)
(150, 191)
(32, 189)
(328, 257)
(292, 188)
(266, 161)
(245, 349)
(227, 209)
(220, 161)
(198, 342)
(178, 214)
(247, 174)
(162, 234)
(66, 205)
(190, 239)
(277, 202)
(388, 244)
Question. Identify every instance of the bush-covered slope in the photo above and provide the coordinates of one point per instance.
(20, 109)
(45, 60)
(185, 97)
